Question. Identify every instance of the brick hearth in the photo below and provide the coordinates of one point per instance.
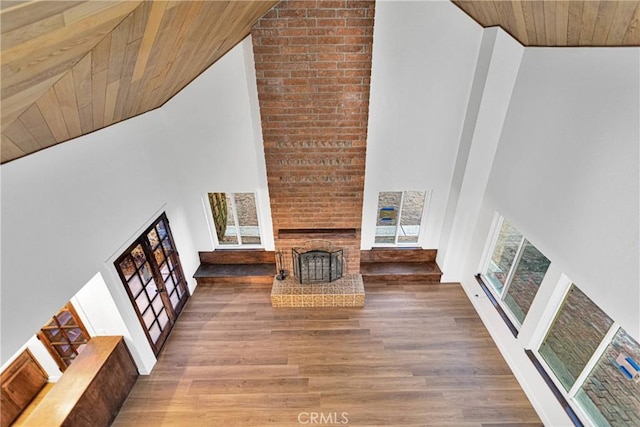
(347, 291)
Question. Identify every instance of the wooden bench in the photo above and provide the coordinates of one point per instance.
(400, 265)
(234, 266)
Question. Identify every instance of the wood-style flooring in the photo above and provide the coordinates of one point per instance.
(415, 355)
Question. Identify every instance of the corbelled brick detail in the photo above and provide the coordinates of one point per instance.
(313, 67)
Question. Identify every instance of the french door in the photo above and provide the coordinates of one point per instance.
(152, 275)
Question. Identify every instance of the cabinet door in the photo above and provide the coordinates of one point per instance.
(10, 410)
(21, 382)
(64, 336)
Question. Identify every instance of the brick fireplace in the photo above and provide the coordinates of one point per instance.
(313, 67)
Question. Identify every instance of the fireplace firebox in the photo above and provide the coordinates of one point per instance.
(317, 265)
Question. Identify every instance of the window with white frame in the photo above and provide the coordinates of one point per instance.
(514, 270)
(399, 217)
(593, 361)
(235, 218)
(576, 332)
(610, 395)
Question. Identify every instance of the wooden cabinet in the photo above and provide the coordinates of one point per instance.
(21, 382)
(92, 389)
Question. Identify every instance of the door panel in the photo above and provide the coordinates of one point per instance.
(151, 273)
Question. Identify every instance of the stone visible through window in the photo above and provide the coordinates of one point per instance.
(235, 218)
(504, 254)
(515, 270)
(399, 217)
(526, 280)
(575, 334)
(607, 395)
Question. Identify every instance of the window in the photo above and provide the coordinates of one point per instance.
(526, 280)
(399, 217)
(504, 254)
(235, 218)
(609, 396)
(515, 270)
(64, 336)
(594, 361)
(574, 336)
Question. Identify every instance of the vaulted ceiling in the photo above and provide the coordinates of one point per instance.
(69, 68)
(561, 23)
(72, 67)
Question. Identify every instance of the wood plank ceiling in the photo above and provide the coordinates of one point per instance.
(561, 23)
(71, 67)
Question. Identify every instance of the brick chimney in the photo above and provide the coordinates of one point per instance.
(313, 68)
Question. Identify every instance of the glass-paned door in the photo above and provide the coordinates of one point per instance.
(151, 272)
(235, 218)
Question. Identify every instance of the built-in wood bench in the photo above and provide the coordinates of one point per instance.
(400, 265)
(234, 266)
(91, 390)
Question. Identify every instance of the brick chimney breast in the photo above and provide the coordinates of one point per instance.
(313, 68)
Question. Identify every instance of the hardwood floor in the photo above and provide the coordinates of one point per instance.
(415, 355)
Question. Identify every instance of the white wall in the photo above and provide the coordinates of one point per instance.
(424, 56)
(483, 126)
(99, 315)
(65, 211)
(41, 354)
(70, 210)
(98, 311)
(215, 125)
(567, 170)
(566, 174)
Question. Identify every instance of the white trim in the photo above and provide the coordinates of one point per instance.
(260, 231)
(541, 333)
(487, 251)
(536, 348)
(234, 212)
(549, 315)
(512, 268)
(507, 285)
(589, 367)
(423, 220)
(595, 357)
(206, 210)
(399, 220)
